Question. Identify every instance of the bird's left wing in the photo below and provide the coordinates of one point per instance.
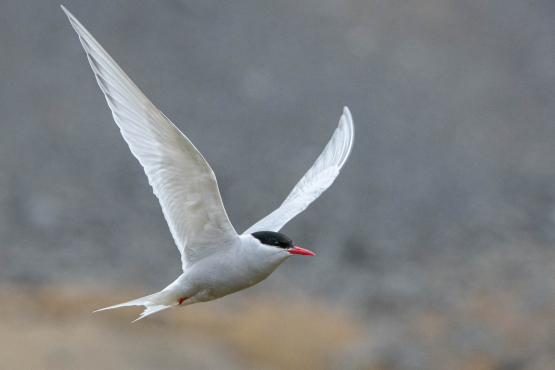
(320, 176)
(181, 178)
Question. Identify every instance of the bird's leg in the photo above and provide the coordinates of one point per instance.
(182, 299)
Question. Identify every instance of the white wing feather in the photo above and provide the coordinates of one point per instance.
(320, 176)
(180, 177)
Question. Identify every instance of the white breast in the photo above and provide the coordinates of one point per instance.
(233, 270)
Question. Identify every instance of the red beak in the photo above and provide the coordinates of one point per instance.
(304, 252)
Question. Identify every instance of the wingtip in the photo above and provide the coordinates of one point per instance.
(346, 119)
(346, 122)
(347, 113)
(67, 12)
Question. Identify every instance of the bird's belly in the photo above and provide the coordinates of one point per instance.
(231, 283)
(222, 279)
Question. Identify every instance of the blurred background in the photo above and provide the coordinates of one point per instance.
(434, 247)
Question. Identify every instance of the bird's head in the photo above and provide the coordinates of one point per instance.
(281, 241)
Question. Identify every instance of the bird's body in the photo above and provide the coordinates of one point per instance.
(235, 269)
(216, 261)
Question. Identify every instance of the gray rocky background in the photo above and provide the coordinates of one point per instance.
(439, 234)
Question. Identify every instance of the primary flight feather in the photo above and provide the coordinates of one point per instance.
(216, 260)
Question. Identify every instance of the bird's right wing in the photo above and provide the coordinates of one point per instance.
(182, 180)
(320, 176)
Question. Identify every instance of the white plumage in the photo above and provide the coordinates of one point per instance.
(320, 176)
(216, 260)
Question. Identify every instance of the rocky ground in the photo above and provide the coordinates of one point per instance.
(52, 327)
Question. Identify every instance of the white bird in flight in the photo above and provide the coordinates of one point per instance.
(216, 260)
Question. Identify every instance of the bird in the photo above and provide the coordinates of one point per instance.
(215, 259)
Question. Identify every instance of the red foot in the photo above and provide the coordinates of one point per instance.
(182, 299)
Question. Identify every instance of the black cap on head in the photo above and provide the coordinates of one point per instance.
(273, 239)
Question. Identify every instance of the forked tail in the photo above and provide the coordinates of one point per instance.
(153, 303)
